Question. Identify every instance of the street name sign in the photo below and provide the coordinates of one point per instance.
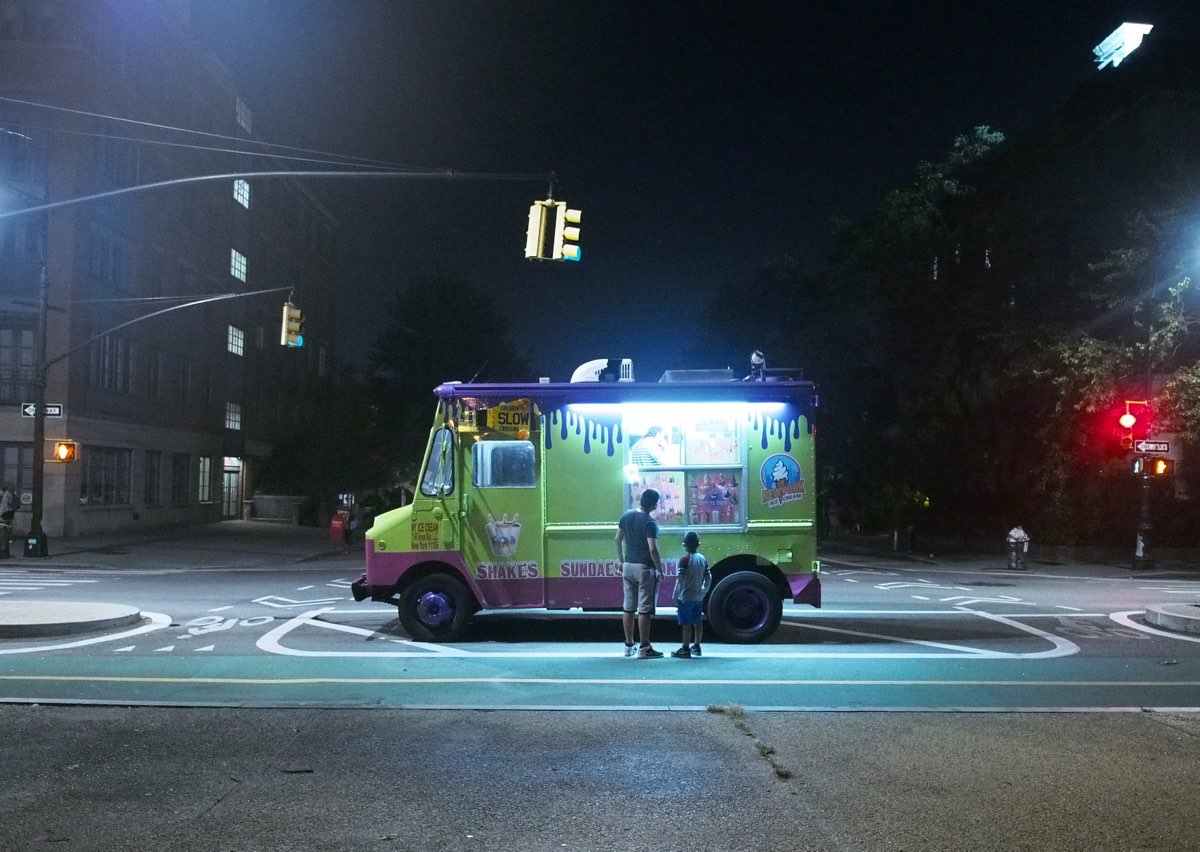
(1144, 446)
(53, 409)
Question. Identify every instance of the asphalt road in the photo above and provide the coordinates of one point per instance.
(892, 635)
(313, 722)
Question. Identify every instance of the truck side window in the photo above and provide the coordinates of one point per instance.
(504, 464)
(439, 470)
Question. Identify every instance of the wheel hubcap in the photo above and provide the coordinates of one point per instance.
(434, 609)
(747, 609)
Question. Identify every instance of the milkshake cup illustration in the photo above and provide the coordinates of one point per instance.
(503, 535)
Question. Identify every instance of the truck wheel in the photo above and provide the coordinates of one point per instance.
(435, 608)
(745, 608)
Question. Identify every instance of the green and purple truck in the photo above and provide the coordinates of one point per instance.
(522, 486)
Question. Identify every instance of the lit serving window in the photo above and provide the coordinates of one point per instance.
(236, 341)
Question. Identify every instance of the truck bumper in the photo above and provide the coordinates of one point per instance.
(806, 589)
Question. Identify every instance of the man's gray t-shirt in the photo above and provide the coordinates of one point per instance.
(638, 526)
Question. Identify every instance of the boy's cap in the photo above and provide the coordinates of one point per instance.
(691, 540)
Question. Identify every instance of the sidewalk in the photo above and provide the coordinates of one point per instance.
(229, 545)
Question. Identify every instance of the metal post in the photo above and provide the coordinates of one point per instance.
(1142, 560)
(36, 544)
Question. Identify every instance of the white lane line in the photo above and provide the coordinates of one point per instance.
(205, 648)
(221, 608)
(962, 649)
(1068, 608)
(1062, 647)
(305, 588)
(1124, 618)
(157, 622)
(269, 642)
(920, 597)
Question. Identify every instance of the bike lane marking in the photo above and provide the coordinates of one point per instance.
(1124, 618)
(271, 643)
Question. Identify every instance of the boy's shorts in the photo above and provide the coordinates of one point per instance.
(690, 612)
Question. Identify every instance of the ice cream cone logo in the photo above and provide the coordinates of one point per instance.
(503, 535)
(782, 480)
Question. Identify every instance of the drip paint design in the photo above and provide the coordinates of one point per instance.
(606, 430)
(786, 427)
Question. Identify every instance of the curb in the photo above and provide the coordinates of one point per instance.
(20, 619)
(1182, 617)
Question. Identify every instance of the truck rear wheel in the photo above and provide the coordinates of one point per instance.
(435, 608)
(745, 608)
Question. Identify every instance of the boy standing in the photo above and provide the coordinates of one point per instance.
(690, 588)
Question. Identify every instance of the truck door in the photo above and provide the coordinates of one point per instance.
(435, 512)
(502, 519)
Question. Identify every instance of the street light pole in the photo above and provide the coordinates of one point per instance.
(1142, 560)
(36, 544)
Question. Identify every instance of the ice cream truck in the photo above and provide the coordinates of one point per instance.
(522, 486)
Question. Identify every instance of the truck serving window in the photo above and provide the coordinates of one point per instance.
(504, 464)
(439, 469)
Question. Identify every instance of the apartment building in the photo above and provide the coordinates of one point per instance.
(172, 415)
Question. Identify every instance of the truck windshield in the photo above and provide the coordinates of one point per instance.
(439, 470)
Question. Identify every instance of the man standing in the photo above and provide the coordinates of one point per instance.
(641, 570)
(649, 449)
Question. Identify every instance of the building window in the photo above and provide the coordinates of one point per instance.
(16, 364)
(180, 470)
(105, 479)
(233, 415)
(204, 479)
(111, 363)
(16, 467)
(258, 337)
(106, 261)
(241, 192)
(152, 482)
(237, 264)
(235, 341)
(243, 115)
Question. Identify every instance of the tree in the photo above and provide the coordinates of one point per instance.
(440, 328)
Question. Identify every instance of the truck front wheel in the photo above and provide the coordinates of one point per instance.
(435, 608)
(745, 608)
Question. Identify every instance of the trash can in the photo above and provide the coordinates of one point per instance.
(339, 527)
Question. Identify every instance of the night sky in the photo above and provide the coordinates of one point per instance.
(698, 138)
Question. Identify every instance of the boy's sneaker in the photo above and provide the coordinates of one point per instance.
(696, 650)
(629, 649)
(683, 653)
(648, 653)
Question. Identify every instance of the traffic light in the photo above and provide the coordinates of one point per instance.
(564, 243)
(566, 236)
(1162, 467)
(292, 332)
(64, 451)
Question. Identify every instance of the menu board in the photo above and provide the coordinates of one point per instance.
(713, 497)
(712, 441)
(669, 485)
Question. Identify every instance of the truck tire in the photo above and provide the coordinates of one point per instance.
(435, 608)
(745, 608)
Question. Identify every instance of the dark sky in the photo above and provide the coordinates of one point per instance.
(698, 138)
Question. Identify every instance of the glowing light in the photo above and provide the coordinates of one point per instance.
(1123, 41)
(632, 474)
(651, 413)
(1127, 420)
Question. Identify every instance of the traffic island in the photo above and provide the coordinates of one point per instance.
(21, 619)
(1181, 617)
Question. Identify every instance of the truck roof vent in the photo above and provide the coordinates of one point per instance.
(598, 371)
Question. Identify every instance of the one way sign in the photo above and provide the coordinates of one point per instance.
(53, 409)
(1152, 446)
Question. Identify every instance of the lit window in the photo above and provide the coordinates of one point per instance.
(237, 264)
(233, 415)
(236, 341)
(241, 192)
(204, 479)
(243, 115)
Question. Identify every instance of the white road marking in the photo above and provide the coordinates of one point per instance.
(1125, 619)
(166, 648)
(123, 650)
(157, 622)
(920, 597)
(205, 648)
(221, 608)
(287, 603)
(1068, 608)
(271, 643)
(305, 588)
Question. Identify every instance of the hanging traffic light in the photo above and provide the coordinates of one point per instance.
(292, 331)
(64, 451)
(564, 241)
(566, 236)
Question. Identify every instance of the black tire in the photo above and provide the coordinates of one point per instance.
(745, 608)
(435, 608)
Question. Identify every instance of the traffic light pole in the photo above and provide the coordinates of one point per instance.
(36, 543)
(1142, 560)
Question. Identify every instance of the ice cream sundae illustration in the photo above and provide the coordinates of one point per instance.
(504, 534)
(779, 474)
